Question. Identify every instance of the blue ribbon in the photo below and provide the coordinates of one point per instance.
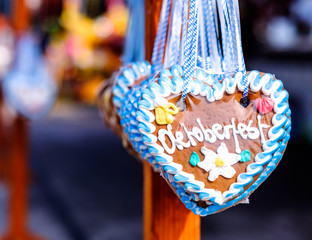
(134, 49)
(191, 45)
(159, 44)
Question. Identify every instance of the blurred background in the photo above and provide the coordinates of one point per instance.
(83, 184)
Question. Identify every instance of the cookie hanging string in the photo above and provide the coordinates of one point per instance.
(159, 44)
(190, 52)
(134, 40)
(174, 35)
(213, 43)
(229, 64)
(202, 40)
(184, 30)
(241, 63)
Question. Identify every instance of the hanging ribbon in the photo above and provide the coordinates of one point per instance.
(134, 40)
(202, 41)
(184, 30)
(202, 34)
(190, 51)
(159, 45)
(174, 35)
(240, 57)
(214, 31)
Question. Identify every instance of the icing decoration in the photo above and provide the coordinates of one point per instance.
(210, 135)
(127, 77)
(187, 187)
(194, 159)
(164, 114)
(220, 163)
(245, 155)
(264, 105)
(116, 90)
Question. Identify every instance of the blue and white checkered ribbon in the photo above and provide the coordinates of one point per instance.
(184, 30)
(191, 45)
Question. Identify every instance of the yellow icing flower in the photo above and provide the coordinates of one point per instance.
(219, 162)
(164, 114)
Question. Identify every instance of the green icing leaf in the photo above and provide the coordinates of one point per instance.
(194, 159)
(245, 156)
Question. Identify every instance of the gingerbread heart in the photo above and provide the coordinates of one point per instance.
(32, 95)
(216, 152)
(28, 87)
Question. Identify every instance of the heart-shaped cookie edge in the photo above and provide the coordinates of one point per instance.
(126, 77)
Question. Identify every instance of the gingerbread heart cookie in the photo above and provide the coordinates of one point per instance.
(31, 94)
(216, 152)
(112, 94)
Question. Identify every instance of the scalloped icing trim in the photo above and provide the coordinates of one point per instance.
(155, 94)
(126, 78)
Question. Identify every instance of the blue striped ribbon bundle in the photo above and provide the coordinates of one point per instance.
(201, 34)
(218, 45)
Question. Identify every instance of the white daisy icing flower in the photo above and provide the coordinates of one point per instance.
(219, 163)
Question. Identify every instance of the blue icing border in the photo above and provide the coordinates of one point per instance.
(126, 94)
(126, 78)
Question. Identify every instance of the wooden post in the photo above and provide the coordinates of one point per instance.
(20, 16)
(165, 216)
(17, 182)
(18, 166)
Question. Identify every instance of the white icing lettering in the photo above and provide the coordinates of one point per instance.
(237, 148)
(253, 133)
(198, 134)
(179, 141)
(261, 126)
(162, 138)
(227, 134)
(210, 135)
(189, 135)
(216, 128)
(242, 128)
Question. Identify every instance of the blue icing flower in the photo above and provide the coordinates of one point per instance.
(194, 159)
(245, 156)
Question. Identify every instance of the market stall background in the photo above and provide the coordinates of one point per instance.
(86, 186)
